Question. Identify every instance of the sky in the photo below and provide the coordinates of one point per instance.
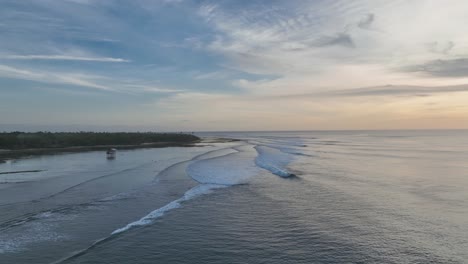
(204, 65)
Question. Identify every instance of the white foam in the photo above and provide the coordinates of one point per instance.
(236, 168)
(190, 194)
(291, 150)
(46, 214)
(115, 197)
(273, 160)
(212, 173)
(32, 233)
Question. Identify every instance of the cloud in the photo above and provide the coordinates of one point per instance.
(52, 77)
(150, 88)
(367, 21)
(63, 57)
(398, 90)
(441, 47)
(215, 75)
(305, 41)
(340, 39)
(371, 107)
(82, 2)
(104, 83)
(282, 39)
(386, 91)
(441, 68)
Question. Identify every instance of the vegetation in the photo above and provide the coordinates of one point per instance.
(21, 140)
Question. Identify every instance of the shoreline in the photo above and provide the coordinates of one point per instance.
(6, 155)
(23, 153)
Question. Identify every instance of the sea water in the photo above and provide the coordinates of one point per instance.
(272, 197)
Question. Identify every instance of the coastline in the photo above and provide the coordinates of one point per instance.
(24, 153)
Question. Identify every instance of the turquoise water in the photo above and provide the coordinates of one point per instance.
(274, 197)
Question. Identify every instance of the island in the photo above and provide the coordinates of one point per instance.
(19, 144)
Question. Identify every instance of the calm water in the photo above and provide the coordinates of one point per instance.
(274, 197)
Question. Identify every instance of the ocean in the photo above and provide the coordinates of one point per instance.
(271, 197)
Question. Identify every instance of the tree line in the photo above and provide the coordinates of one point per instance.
(25, 140)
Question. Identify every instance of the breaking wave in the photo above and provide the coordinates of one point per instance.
(231, 169)
(273, 160)
(212, 173)
(149, 218)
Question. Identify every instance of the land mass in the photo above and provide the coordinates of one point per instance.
(20, 144)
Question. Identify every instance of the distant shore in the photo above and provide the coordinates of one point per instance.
(15, 145)
(9, 154)
(21, 153)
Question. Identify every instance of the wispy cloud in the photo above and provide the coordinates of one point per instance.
(52, 77)
(306, 41)
(367, 21)
(340, 39)
(150, 88)
(386, 91)
(215, 75)
(104, 83)
(442, 68)
(63, 57)
(441, 47)
(398, 90)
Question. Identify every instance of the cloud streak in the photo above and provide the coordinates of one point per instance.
(442, 68)
(387, 91)
(397, 90)
(51, 77)
(99, 82)
(151, 89)
(340, 39)
(63, 57)
(367, 21)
